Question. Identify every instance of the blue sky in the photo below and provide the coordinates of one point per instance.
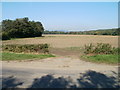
(72, 16)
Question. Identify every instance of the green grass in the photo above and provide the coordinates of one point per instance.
(74, 48)
(14, 56)
(109, 59)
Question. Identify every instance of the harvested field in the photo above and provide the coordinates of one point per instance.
(67, 62)
(65, 41)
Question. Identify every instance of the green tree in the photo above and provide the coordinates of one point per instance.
(21, 28)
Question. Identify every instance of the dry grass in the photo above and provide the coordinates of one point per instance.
(64, 41)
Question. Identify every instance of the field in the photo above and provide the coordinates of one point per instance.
(65, 60)
(59, 45)
(66, 45)
(69, 45)
(66, 41)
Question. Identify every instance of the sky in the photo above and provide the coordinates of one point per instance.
(71, 16)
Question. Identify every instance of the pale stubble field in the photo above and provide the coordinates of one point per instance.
(65, 41)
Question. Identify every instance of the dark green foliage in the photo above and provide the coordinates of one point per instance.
(100, 48)
(28, 48)
(4, 36)
(22, 28)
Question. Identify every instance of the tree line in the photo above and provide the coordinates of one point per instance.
(20, 28)
(23, 28)
(113, 32)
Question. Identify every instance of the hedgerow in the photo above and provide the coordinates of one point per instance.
(100, 48)
(27, 48)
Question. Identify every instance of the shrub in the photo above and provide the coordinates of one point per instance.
(28, 48)
(89, 48)
(5, 36)
(100, 48)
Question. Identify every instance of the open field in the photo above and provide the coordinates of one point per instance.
(66, 45)
(59, 45)
(65, 41)
(66, 64)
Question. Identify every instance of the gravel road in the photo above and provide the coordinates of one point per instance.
(62, 70)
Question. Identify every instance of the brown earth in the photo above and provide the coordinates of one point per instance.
(65, 41)
(66, 45)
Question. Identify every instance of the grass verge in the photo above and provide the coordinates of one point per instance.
(7, 56)
(109, 59)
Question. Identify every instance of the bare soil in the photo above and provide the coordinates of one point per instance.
(65, 41)
(61, 45)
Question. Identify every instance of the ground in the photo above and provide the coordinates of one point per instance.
(64, 70)
(27, 71)
(65, 41)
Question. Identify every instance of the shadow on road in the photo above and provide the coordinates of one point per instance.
(90, 79)
(10, 82)
(49, 81)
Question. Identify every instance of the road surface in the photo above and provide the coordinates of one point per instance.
(23, 73)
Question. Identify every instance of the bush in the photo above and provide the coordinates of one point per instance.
(28, 48)
(89, 48)
(5, 36)
(100, 48)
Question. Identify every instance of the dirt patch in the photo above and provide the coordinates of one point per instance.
(66, 52)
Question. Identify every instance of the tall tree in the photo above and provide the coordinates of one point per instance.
(21, 28)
